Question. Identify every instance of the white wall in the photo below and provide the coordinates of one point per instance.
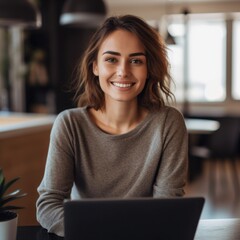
(154, 11)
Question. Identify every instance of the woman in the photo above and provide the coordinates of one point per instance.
(123, 140)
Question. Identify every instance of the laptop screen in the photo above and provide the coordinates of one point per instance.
(128, 219)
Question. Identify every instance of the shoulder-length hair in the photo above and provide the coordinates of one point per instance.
(156, 91)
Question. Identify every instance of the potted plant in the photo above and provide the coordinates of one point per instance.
(8, 215)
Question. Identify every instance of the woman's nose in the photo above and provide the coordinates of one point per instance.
(122, 70)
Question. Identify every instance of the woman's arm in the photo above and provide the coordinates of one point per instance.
(173, 169)
(58, 178)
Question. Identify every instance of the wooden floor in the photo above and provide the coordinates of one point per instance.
(219, 183)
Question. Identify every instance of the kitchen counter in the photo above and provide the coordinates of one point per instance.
(12, 124)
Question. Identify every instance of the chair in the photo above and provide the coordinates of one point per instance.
(221, 145)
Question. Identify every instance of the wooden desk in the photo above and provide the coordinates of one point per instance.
(201, 126)
(212, 229)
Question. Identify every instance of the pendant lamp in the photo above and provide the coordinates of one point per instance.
(19, 13)
(170, 39)
(83, 13)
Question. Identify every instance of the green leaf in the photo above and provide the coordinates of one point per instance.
(1, 176)
(7, 208)
(5, 186)
(2, 187)
(16, 192)
(10, 198)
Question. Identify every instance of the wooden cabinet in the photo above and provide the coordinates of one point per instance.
(23, 152)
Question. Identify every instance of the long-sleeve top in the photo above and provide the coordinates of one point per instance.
(85, 162)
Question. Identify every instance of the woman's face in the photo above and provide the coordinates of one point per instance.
(121, 66)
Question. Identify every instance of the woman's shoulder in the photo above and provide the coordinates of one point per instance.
(169, 116)
(174, 112)
(72, 113)
(70, 116)
(69, 120)
(169, 112)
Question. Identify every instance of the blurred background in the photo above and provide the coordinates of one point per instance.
(38, 58)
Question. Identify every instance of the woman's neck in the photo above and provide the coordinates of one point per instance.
(118, 118)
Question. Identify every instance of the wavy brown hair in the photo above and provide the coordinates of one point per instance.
(157, 88)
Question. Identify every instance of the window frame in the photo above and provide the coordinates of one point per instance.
(229, 105)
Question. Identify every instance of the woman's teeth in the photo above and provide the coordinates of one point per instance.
(122, 85)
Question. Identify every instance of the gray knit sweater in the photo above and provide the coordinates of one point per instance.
(85, 162)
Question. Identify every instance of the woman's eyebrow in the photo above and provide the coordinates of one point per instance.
(112, 53)
(130, 55)
(137, 54)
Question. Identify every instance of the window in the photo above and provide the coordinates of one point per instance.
(206, 74)
(236, 61)
(207, 61)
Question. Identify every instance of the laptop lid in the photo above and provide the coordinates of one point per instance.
(130, 219)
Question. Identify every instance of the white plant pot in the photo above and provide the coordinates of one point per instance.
(8, 229)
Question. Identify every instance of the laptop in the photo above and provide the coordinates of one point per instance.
(132, 219)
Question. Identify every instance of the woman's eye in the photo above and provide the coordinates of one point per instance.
(111, 60)
(136, 61)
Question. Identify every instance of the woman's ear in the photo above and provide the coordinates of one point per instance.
(95, 68)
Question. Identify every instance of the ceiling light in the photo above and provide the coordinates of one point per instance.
(19, 13)
(84, 13)
(170, 40)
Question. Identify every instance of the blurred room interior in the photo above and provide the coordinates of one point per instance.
(38, 63)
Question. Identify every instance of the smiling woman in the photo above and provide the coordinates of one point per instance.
(121, 67)
(149, 45)
(123, 140)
